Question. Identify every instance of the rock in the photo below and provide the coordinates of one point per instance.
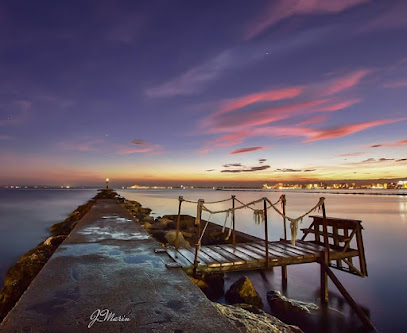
(165, 223)
(281, 304)
(148, 219)
(258, 322)
(147, 225)
(187, 234)
(200, 283)
(243, 291)
(145, 211)
(159, 235)
(54, 240)
(170, 238)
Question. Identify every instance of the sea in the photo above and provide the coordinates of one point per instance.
(27, 214)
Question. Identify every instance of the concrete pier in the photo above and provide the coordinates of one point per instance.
(108, 266)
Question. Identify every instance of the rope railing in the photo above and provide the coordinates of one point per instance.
(259, 214)
(208, 203)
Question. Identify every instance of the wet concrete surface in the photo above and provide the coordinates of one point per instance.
(108, 262)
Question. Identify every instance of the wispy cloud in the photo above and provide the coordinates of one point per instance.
(390, 144)
(279, 10)
(84, 145)
(247, 169)
(345, 82)
(5, 137)
(269, 95)
(341, 131)
(139, 146)
(245, 150)
(352, 154)
(139, 142)
(232, 165)
(193, 80)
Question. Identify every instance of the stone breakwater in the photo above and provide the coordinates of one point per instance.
(20, 275)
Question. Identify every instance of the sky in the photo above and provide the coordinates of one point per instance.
(202, 92)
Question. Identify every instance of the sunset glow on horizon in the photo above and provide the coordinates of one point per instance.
(202, 93)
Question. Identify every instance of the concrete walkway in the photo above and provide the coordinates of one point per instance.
(108, 262)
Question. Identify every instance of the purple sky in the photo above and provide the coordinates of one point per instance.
(202, 91)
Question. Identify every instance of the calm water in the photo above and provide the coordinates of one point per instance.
(26, 215)
(383, 293)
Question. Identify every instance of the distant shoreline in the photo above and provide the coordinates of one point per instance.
(313, 191)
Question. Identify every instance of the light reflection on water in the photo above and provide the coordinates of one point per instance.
(383, 292)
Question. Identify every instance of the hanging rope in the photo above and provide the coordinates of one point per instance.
(258, 215)
(204, 229)
(294, 221)
(208, 203)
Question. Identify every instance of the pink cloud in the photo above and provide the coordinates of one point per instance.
(345, 82)
(5, 137)
(270, 95)
(395, 84)
(341, 131)
(337, 106)
(246, 150)
(283, 9)
(352, 154)
(231, 139)
(314, 120)
(264, 117)
(149, 148)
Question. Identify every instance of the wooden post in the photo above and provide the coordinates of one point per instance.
(361, 249)
(284, 278)
(284, 268)
(336, 242)
(348, 297)
(266, 234)
(324, 278)
(198, 235)
(325, 230)
(285, 222)
(180, 198)
(233, 221)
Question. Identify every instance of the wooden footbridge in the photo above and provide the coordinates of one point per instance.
(336, 243)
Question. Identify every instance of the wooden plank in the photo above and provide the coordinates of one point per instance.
(317, 247)
(235, 251)
(249, 252)
(298, 249)
(297, 252)
(226, 254)
(287, 253)
(187, 254)
(310, 249)
(258, 251)
(204, 258)
(179, 258)
(277, 251)
(218, 257)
